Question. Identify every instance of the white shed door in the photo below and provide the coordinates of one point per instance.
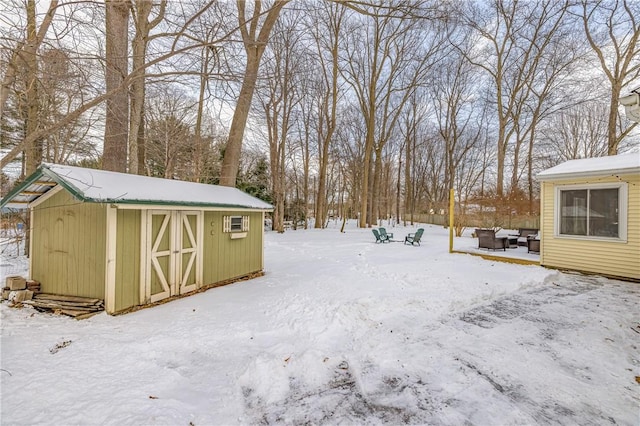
(172, 244)
(188, 261)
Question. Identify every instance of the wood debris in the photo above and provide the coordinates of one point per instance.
(34, 286)
(59, 346)
(73, 306)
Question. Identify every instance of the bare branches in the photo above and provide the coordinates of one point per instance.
(254, 47)
(403, 9)
(18, 52)
(613, 35)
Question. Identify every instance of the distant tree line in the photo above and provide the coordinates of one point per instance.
(364, 109)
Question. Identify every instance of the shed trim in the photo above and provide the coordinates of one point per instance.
(262, 230)
(143, 258)
(200, 255)
(69, 187)
(173, 206)
(30, 180)
(45, 196)
(30, 242)
(111, 254)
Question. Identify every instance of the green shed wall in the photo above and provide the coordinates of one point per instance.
(127, 259)
(69, 246)
(225, 258)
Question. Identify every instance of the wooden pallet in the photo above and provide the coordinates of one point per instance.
(73, 306)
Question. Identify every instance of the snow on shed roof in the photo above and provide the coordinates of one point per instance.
(586, 167)
(121, 188)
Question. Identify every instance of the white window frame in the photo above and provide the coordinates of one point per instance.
(228, 226)
(623, 202)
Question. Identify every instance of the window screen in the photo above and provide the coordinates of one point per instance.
(590, 212)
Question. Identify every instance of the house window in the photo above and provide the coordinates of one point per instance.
(235, 224)
(592, 211)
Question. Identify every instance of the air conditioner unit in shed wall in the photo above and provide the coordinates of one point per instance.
(632, 106)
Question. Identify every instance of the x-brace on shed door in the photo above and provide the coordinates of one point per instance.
(172, 253)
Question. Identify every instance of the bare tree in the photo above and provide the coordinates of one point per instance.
(350, 135)
(612, 29)
(514, 36)
(383, 68)
(64, 78)
(141, 12)
(546, 96)
(283, 69)
(170, 117)
(459, 113)
(210, 61)
(304, 134)
(327, 43)
(116, 131)
(413, 114)
(579, 132)
(255, 41)
(34, 149)
(178, 42)
(63, 84)
(21, 48)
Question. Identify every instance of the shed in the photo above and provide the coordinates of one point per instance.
(590, 216)
(133, 240)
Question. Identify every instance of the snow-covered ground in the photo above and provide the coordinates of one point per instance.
(340, 331)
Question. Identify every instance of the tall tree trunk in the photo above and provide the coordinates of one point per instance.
(408, 184)
(198, 162)
(376, 192)
(370, 119)
(231, 159)
(530, 172)
(330, 106)
(321, 198)
(305, 183)
(398, 186)
(114, 155)
(501, 148)
(138, 47)
(138, 84)
(513, 189)
(278, 203)
(254, 45)
(34, 149)
(612, 133)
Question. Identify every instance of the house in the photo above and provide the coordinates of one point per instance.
(133, 240)
(590, 216)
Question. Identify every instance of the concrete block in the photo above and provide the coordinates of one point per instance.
(16, 283)
(21, 295)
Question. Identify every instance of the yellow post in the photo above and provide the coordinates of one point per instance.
(451, 209)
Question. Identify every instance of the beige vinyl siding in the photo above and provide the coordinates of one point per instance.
(226, 258)
(620, 259)
(127, 259)
(69, 246)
